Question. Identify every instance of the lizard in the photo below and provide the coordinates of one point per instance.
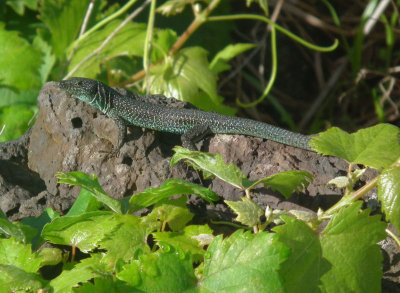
(191, 123)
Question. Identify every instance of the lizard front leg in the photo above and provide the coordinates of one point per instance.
(193, 135)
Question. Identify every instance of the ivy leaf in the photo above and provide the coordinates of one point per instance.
(220, 61)
(389, 194)
(167, 270)
(15, 279)
(244, 262)
(78, 273)
(92, 185)
(186, 75)
(83, 231)
(60, 15)
(349, 245)
(123, 242)
(285, 182)
(185, 240)
(170, 187)
(376, 146)
(248, 211)
(18, 254)
(19, 60)
(305, 261)
(210, 164)
(172, 212)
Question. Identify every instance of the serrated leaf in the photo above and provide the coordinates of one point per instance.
(19, 60)
(83, 231)
(124, 241)
(92, 185)
(22, 233)
(185, 240)
(376, 146)
(286, 182)
(184, 75)
(84, 203)
(15, 279)
(60, 15)
(49, 58)
(16, 118)
(172, 7)
(248, 211)
(389, 194)
(244, 262)
(38, 223)
(349, 245)
(305, 261)
(220, 61)
(170, 187)
(79, 273)
(210, 164)
(128, 41)
(19, 5)
(172, 212)
(13, 97)
(102, 285)
(50, 256)
(167, 270)
(17, 254)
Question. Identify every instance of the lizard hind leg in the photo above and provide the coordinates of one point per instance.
(193, 135)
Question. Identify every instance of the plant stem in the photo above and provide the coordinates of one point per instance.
(197, 22)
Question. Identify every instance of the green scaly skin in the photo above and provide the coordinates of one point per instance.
(192, 124)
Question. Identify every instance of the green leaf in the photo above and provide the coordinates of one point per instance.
(19, 5)
(220, 61)
(172, 212)
(22, 233)
(184, 75)
(79, 273)
(305, 266)
(349, 245)
(170, 187)
(12, 97)
(389, 194)
(248, 211)
(128, 41)
(244, 262)
(210, 164)
(285, 182)
(167, 270)
(123, 242)
(14, 279)
(19, 61)
(376, 146)
(84, 203)
(18, 254)
(50, 256)
(16, 119)
(38, 223)
(185, 240)
(83, 231)
(102, 285)
(63, 18)
(172, 7)
(49, 58)
(92, 185)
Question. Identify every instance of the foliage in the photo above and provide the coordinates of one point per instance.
(162, 252)
(74, 38)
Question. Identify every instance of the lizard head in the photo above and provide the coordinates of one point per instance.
(82, 88)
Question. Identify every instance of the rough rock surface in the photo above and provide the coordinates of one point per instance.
(69, 135)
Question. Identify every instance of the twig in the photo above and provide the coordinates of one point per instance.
(107, 40)
(324, 94)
